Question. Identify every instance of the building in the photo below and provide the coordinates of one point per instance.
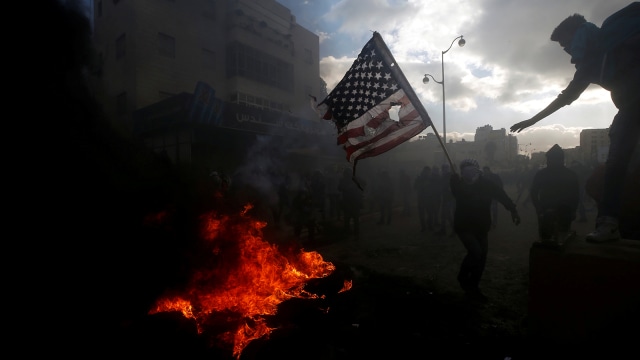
(200, 81)
(595, 145)
(495, 146)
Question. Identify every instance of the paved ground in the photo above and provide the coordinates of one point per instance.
(400, 249)
(405, 290)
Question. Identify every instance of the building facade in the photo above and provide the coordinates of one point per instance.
(594, 145)
(193, 77)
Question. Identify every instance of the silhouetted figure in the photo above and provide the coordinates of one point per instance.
(351, 202)
(283, 205)
(524, 184)
(448, 201)
(404, 189)
(472, 221)
(582, 172)
(421, 184)
(555, 194)
(606, 57)
(434, 199)
(495, 178)
(303, 212)
(384, 194)
(318, 190)
(630, 206)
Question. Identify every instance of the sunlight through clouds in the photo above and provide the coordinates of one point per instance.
(507, 71)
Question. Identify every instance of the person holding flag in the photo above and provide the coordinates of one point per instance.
(472, 221)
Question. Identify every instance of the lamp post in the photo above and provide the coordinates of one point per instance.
(425, 80)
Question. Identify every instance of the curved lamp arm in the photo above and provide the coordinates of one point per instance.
(461, 43)
(426, 79)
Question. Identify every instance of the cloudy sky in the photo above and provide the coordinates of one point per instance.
(507, 71)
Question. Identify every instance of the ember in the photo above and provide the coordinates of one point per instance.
(239, 278)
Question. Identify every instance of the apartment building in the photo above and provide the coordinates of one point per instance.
(194, 79)
(594, 144)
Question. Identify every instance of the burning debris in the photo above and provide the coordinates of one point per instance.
(239, 278)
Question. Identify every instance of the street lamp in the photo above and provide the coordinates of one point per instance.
(461, 43)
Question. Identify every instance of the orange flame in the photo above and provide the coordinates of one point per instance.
(243, 275)
(347, 286)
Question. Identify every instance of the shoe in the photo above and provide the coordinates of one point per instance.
(606, 231)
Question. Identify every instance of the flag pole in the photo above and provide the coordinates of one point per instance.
(404, 84)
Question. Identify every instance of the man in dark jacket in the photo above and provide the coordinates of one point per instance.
(555, 194)
(610, 57)
(472, 221)
(487, 173)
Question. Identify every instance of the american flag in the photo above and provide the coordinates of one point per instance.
(359, 105)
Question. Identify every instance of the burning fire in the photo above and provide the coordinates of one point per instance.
(241, 278)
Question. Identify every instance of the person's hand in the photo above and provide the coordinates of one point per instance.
(515, 217)
(522, 125)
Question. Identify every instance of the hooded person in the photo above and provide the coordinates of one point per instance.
(555, 194)
(472, 220)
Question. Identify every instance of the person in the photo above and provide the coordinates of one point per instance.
(404, 188)
(448, 201)
(630, 205)
(586, 42)
(472, 220)
(555, 194)
(351, 203)
(523, 184)
(318, 189)
(303, 210)
(582, 172)
(384, 194)
(434, 199)
(494, 177)
(283, 206)
(421, 185)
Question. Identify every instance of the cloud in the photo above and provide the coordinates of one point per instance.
(507, 71)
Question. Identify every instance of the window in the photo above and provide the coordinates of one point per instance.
(121, 103)
(121, 48)
(308, 56)
(258, 102)
(166, 45)
(208, 59)
(245, 61)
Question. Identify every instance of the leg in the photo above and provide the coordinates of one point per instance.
(623, 135)
(474, 261)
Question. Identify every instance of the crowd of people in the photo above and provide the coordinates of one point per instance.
(308, 201)
(462, 203)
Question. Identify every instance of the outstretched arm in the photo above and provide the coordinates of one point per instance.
(550, 109)
(566, 97)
